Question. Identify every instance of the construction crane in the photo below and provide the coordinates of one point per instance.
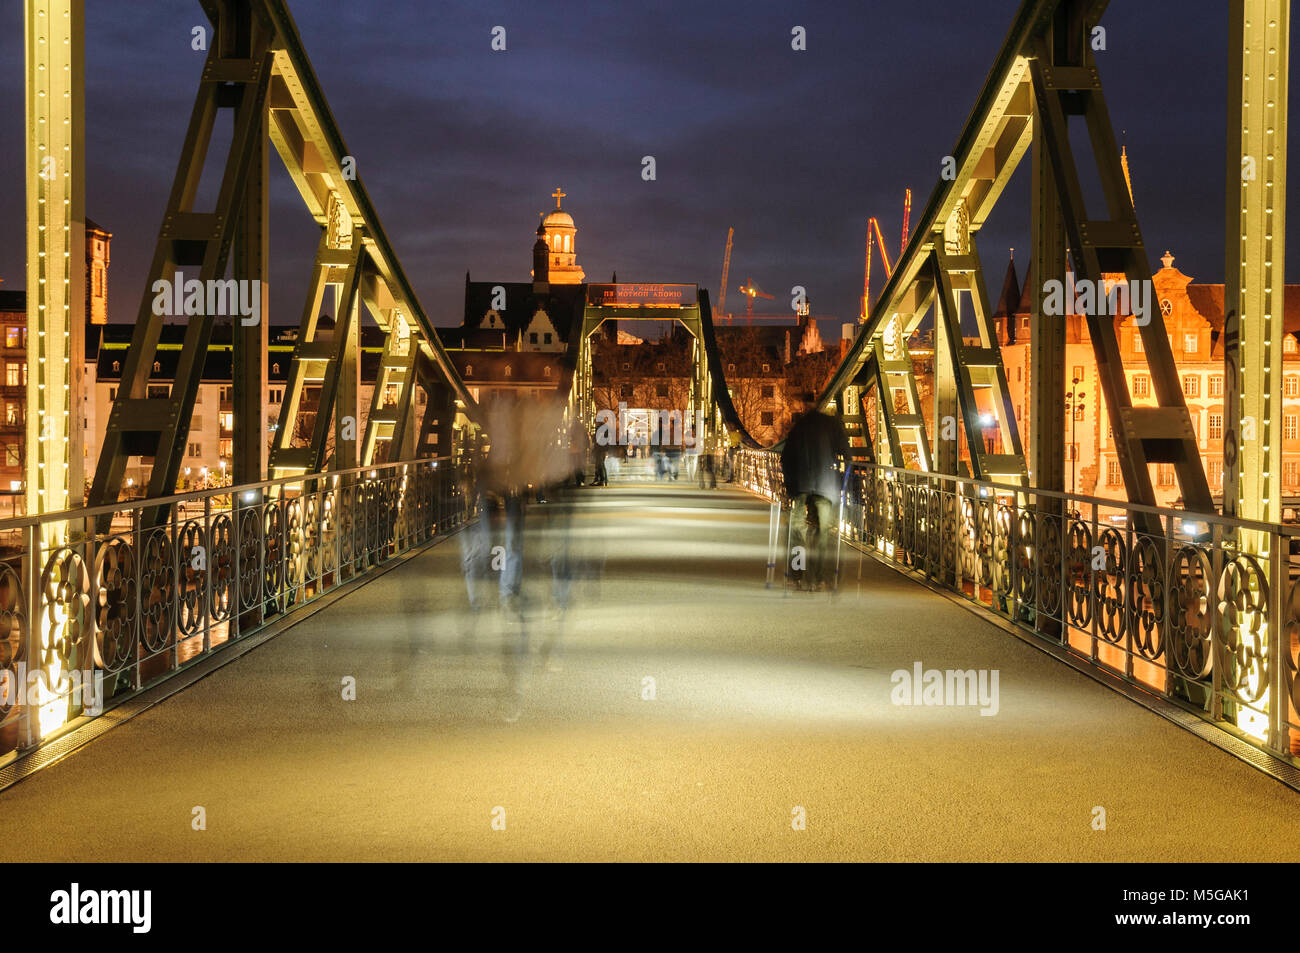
(751, 291)
(874, 238)
(726, 270)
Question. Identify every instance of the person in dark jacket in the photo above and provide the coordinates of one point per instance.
(810, 463)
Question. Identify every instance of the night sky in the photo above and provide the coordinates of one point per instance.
(459, 146)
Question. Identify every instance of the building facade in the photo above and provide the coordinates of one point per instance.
(1193, 315)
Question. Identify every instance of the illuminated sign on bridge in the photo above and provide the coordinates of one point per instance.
(628, 295)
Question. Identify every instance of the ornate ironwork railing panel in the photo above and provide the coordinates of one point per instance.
(1204, 612)
(91, 620)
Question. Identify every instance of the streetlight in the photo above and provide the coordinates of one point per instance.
(1074, 404)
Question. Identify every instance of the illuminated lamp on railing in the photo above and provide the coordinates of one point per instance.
(986, 420)
(248, 496)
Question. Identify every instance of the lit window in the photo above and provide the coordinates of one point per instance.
(1112, 473)
(1290, 426)
(1288, 344)
(1216, 385)
(1216, 426)
(1165, 473)
(1137, 341)
(1192, 386)
(1290, 472)
(157, 367)
(766, 368)
(1189, 343)
(1216, 474)
(469, 370)
(13, 375)
(12, 337)
(1141, 385)
(1291, 388)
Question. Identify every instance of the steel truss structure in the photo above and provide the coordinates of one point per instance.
(258, 72)
(709, 399)
(1045, 75)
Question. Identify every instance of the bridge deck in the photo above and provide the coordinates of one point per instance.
(764, 702)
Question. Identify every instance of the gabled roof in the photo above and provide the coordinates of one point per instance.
(563, 303)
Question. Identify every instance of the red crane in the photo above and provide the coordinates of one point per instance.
(874, 238)
(752, 291)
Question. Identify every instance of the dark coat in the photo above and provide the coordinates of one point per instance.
(809, 458)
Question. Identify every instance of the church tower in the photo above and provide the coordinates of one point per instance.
(541, 262)
(561, 237)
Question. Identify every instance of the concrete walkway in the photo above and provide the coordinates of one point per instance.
(762, 704)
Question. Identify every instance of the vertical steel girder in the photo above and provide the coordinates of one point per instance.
(1047, 338)
(851, 408)
(323, 363)
(433, 436)
(54, 33)
(1066, 83)
(974, 366)
(1259, 36)
(387, 423)
(249, 341)
(236, 76)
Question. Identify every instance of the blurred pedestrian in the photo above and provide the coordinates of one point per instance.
(814, 481)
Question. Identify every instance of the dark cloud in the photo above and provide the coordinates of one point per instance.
(460, 146)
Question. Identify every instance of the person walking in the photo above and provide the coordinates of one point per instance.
(809, 462)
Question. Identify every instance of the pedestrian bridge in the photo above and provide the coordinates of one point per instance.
(693, 713)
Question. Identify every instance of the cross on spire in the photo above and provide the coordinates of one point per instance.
(558, 194)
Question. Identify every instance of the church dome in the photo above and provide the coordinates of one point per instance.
(558, 217)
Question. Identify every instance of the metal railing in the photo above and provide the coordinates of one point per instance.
(89, 619)
(1199, 609)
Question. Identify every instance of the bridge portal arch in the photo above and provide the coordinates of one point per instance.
(709, 415)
